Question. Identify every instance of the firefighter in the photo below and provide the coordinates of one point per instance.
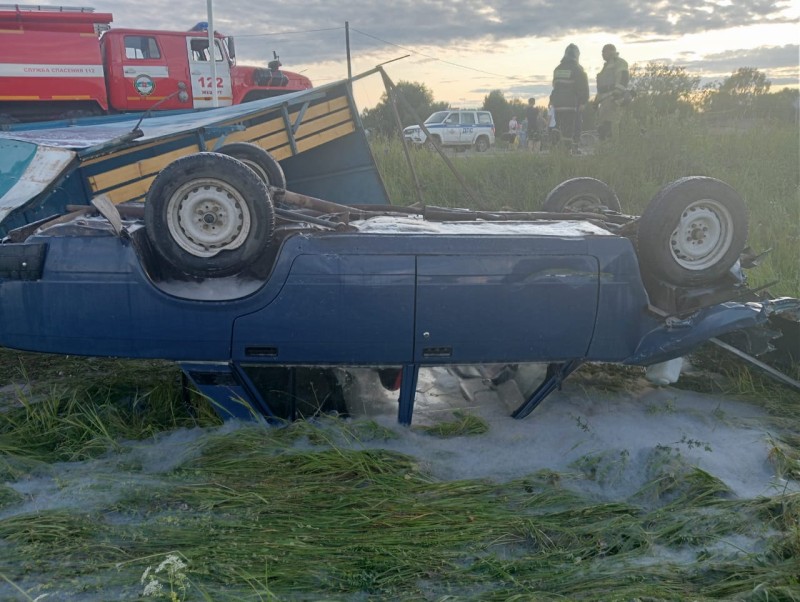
(570, 94)
(612, 91)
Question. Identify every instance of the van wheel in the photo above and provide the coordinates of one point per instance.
(692, 232)
(482, 144)
(260, 161)
(209, 215)
(581, 195)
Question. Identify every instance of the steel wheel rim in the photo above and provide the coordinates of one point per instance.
(258, 169)
(703, 236)
(206, 216)
(583, 202)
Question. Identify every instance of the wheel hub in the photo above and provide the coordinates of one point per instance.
(208, 216)
(583, 203)
(704, 234)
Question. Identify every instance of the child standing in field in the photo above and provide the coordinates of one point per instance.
(513, 132)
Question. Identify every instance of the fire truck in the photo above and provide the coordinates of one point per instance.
(63, 62)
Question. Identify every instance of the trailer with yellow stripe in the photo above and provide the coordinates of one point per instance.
(313, 138)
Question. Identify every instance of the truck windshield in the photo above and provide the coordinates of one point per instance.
(437, 117)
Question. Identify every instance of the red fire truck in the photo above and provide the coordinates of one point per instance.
(67, 62)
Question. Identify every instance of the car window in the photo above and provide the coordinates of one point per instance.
(467, 118)
(485, 118)
(437, 117)
(452, 119)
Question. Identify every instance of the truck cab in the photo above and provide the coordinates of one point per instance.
(64, 63)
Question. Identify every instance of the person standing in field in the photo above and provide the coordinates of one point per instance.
(570, 94)
(534, 126)
(612, 91)
(513, 132)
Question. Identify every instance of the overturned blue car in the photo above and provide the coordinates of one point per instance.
(256, 272)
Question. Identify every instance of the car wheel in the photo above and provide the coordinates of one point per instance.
(209, 215)
(692, 232)
(482, 144)
(581, 195)
(260, 161)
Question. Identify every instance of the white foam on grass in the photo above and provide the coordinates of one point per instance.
(725, 438)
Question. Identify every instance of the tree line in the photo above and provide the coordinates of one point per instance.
(659, 90)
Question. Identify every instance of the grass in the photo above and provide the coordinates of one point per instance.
(303, 512)
(285, 513)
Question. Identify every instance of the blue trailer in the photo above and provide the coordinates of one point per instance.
(262, 254)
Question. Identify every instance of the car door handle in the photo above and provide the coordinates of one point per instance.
(130, 70)
(197, 72)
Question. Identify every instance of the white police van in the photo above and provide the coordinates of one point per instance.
(457, 128)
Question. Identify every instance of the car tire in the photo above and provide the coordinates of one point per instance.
(581, 195)
(692, 232)
(482, 144)
(209, 215)
(260, 161)
(433, 142)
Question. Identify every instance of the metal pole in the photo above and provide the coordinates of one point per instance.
(212, 55)
(347, 44)
(390, 84)
(390, 91)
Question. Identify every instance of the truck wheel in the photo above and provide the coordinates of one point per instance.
(260, 161)
(581, 195)
(482, 144)
(209, 215)
(692, 232)
(76, 114)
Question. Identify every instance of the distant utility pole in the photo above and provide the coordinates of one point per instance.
(347, 45)
(212, 55)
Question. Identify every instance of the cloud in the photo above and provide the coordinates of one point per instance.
(315, 29)
(778, 62)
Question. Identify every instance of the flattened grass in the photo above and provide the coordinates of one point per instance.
(289, 514)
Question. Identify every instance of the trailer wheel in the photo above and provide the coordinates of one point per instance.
(692, 232)
(260, 161)
(209, 215)
(581, 195)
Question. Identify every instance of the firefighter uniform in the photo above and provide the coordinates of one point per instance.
(570, 93)
(612, 90)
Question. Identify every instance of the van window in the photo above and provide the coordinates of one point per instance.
(467, 118)
(141, 47)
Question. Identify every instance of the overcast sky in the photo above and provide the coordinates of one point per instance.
(463, 49)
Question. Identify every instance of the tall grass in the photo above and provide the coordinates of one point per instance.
(760, 159)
